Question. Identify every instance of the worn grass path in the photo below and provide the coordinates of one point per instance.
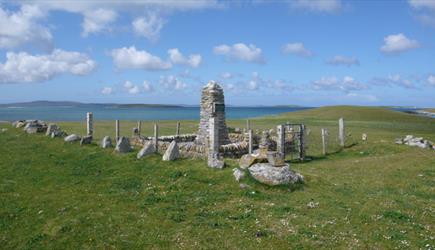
(371, 195)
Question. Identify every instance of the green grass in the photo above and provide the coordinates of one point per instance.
(371, 195)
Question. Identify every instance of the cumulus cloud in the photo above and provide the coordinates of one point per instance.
(346, 84)
(107, 91)
(398, 43)
(131, 88)
(296, 49)
(240, 52)
(424, 11)
(131, 58)
(343, 60)
(22, 28)
(176, 57)
(421, 4)
(149, 26)
(147, 87)
(326, 6)
(392, 80)
(171, 82)
(99, 16)
(431, 80)
(23, 67)
(97, 20)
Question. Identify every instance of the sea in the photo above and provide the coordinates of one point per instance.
(111, 112)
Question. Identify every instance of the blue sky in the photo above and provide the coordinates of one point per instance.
(311, 53)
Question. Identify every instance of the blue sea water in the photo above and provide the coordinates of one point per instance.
(102, 112)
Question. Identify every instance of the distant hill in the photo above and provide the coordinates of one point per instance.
(79, 104)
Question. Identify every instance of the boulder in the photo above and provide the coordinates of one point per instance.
(58, 133)
(51, 128)
(267, 174)
(172, 152)
(106, 142)
(3, 130)
(238, 174)
(248, 160)
(215, 162)
(123, 145)
(20, 124)
(86, 140)
(72, 138)
(275, 158)
(31, 130)
(147, 149)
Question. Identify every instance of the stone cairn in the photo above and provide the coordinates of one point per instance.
(212, 105)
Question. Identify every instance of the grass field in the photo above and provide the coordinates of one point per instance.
(373, 194)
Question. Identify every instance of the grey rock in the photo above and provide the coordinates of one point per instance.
(215, 162)
(86, 140)
(172, 152)
(72, 138)
(248, 160)
(267, 174)
(275, 158)
(238, 174)
(51, 128)
(20, 124)
(244, 186)
(106, 142)
(123, 145)
(3, 130)
(31, 130)
(147, 149)
(58, 133)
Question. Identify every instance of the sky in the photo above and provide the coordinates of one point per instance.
(298, 52)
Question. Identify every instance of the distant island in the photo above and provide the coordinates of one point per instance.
(79, 104)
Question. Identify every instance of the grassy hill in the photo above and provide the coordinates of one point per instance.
(373, 194)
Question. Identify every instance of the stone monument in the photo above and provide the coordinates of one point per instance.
(212, 105)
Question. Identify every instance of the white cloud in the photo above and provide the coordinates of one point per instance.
(296, 49)
(431, 80)
(421, 4)
(282, 85)
(362, 97)
(392, 80)
(107, 90)
(172, 83)
(147, 87)
(130, 58)
(131, 88)
(148, 26)
(97, 20)
(398, 43)
(22, 28)
(23, 67)
(328, 6)
(255, 82)
(98, 16)
(240, 52)
(226, 75)
(342, 60)
(176, 57)
(333, 83)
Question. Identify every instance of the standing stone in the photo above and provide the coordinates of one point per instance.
(324, 140)
(172, 153)
(341, 135)
(248, 125)
(280, 144)
(116, 131)
(89, 124)
(86, 140)
(364, 137)
(213, 145)
(212, 105)
(106, 142)
(156, 137)
(250, 141)
(123, 145)
(147, 149)
(51, 128)
(177, 132)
